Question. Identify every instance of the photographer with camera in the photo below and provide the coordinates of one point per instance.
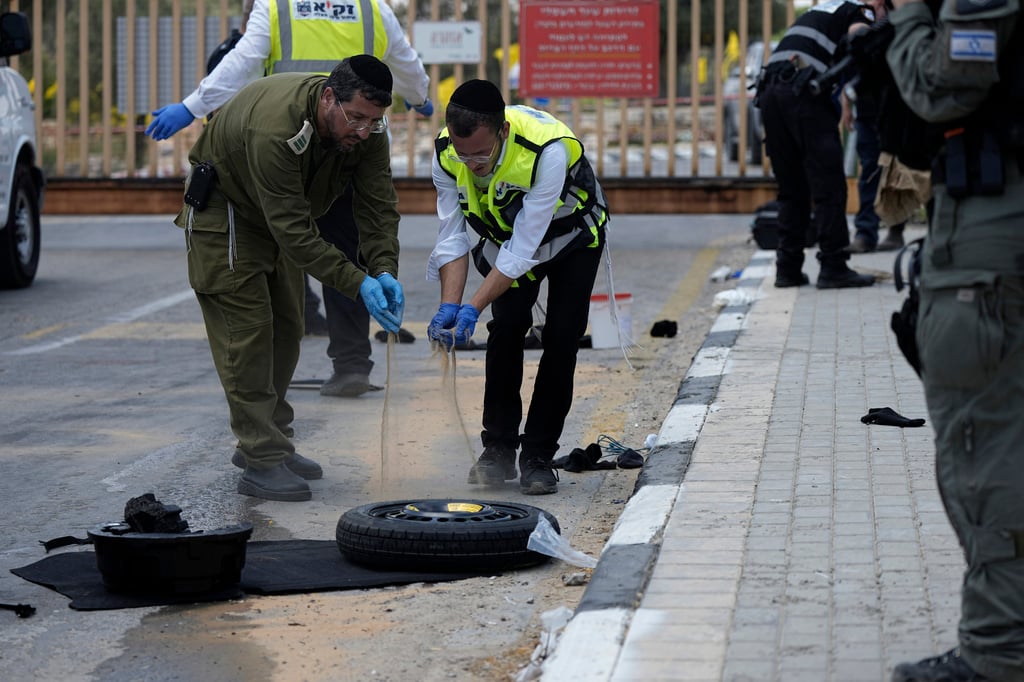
(964, 70)
(802, 139)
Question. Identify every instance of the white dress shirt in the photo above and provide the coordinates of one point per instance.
(246, 61)
(516, 255)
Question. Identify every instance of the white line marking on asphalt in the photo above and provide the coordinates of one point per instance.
(157, 305)
(121, 318)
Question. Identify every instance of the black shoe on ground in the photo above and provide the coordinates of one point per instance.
(345, 385)
(277, 483)
(495, 466)
(860, 245)
(316, 324)
(303, 466)
(784, 280)
(947, 667)
(843, 279)
(538, 477)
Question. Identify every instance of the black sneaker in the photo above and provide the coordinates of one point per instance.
(843, 279)
(496, 465)
(784, 280)
(948, 667)
(538, 477)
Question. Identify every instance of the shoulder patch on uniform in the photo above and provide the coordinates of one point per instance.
(972, 46)
(300, 142)
(964, 7)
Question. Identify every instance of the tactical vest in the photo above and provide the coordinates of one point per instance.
(312, 37)
(581, 209)
(1003, 110)
(975, 147)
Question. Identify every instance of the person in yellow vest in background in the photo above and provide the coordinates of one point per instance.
(300, 36)
(519, 179)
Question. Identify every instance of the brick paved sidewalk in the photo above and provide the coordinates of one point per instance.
(800, 544)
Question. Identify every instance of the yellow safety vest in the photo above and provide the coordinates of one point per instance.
(311, 36)
(491, 212)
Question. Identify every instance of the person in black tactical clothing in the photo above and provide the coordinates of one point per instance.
(802, 140)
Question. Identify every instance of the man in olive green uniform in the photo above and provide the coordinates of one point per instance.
(964, 72)
(282, 150)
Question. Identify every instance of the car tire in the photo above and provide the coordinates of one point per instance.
(19, 240)
(441, 535)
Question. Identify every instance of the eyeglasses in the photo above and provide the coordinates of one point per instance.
(471, 158)
(378, 125)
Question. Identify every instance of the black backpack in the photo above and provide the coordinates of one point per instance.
(765, 227)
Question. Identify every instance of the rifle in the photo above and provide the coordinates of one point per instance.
(862, 52)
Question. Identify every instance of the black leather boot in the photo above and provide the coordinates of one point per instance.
(303, 466)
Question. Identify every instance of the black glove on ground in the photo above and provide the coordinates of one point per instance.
(886, 416)
(630, 459)
(582, 460)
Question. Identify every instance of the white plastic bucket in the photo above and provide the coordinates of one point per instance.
(603, 333)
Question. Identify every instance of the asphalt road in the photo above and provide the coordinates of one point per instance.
(107, 391)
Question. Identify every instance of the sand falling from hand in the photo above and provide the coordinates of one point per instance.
(449, 392)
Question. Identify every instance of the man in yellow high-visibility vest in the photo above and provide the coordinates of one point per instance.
(294, 36)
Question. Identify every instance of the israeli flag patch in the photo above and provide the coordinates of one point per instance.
(972, 46)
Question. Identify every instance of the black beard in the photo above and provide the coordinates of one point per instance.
(338, 145)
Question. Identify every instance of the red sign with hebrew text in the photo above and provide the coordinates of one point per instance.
(588, 48)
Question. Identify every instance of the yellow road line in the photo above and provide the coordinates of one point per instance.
(39, 333)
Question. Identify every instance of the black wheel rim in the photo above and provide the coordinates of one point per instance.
(449, 511)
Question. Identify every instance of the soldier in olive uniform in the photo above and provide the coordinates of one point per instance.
(964, 72)
(281, 151)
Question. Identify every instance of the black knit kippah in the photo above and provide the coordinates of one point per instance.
(372, 71)
(480, 96)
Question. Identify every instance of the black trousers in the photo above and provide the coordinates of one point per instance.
(570, 284)
(802, 140)
(348, 320)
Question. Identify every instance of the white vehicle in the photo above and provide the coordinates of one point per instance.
(21, 180)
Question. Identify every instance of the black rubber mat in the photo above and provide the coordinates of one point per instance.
(271, 567)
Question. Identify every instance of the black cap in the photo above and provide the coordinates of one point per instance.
(372, 71)
(480, 96)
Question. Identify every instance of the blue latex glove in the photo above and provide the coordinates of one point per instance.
(169, 120)
(393, 293)
(465, 323)
(439, 328)
(377, 303)
(425, 109)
